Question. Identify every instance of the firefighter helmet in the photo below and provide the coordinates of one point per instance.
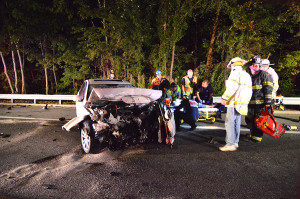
(253, 60)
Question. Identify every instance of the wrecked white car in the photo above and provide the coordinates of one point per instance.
(114, 114)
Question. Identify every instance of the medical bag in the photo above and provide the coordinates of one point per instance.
(266, 122)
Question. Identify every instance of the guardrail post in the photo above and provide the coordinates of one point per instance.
(34, 101)
(59, 101)
(12, 101)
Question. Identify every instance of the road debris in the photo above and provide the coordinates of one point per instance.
(4, 135)
(49, 186)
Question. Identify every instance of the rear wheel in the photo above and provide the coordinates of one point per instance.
(87, 136)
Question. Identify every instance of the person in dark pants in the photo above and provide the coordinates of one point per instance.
(190, 113)
(262, 86)
(205, 92)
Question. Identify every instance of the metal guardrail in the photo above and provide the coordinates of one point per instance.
(286, 100)
(60, 98)
(36, 97)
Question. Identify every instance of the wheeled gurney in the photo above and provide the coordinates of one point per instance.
(208, 114)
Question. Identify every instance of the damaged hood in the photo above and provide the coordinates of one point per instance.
(127, 95)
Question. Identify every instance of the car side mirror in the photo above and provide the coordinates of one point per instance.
(77, 99)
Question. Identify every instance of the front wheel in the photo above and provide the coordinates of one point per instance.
(87, 136)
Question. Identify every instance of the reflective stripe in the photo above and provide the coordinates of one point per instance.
(257, 101)
(256, 87)
(256, 138)
(267, 83)
(234, 81)
(226, 96)
(245, 85)
(237, 103)
(268, 96)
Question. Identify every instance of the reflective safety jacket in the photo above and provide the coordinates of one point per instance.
(188, 85)
(156, 82)
(176, 94)
(275, 77)
(238, 90)
(262, 86)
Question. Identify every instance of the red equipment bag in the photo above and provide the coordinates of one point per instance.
(266, 122)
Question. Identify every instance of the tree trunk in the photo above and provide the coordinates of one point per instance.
(55, 80)
(43, 51)
(172, 62)
(22, 73)
(212, 41)
(46, 79)
(104, 26)
(5, 72)
(15, 70)
(164, 62)
(127, 72)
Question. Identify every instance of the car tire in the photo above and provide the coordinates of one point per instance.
(87, 136)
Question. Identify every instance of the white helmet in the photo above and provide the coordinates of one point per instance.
(234, 60)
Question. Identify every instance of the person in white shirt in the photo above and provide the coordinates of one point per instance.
(236, 98)
(265, 66)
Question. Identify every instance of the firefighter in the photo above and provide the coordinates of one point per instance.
(174, 92)
(111, 74)
(236, 98)
(187, 84)
(262, 87)
(265, 66)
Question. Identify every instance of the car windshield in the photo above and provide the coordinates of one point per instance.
(92, 86)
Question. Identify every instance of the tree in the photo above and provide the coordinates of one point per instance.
(6, 74)
(213, 37)
(288, 71)
(65, 42)
(172, 23)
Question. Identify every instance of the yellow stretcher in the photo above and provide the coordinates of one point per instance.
(207, 114)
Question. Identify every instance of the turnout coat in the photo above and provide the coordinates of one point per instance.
(238, 90)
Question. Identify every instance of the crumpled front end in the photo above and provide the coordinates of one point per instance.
(119, 124)
(121, 116)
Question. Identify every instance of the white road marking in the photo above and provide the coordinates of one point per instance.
(223, 128)
(28, 118)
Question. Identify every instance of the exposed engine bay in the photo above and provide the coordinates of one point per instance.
(117, 124)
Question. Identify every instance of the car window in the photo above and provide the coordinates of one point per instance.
(92, 86)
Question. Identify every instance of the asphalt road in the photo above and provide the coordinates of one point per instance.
(39, 160)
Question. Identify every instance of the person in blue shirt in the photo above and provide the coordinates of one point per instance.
(190, 113)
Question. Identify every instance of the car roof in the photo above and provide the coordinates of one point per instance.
(107, 81)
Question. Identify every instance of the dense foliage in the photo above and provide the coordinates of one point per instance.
(53, 45)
